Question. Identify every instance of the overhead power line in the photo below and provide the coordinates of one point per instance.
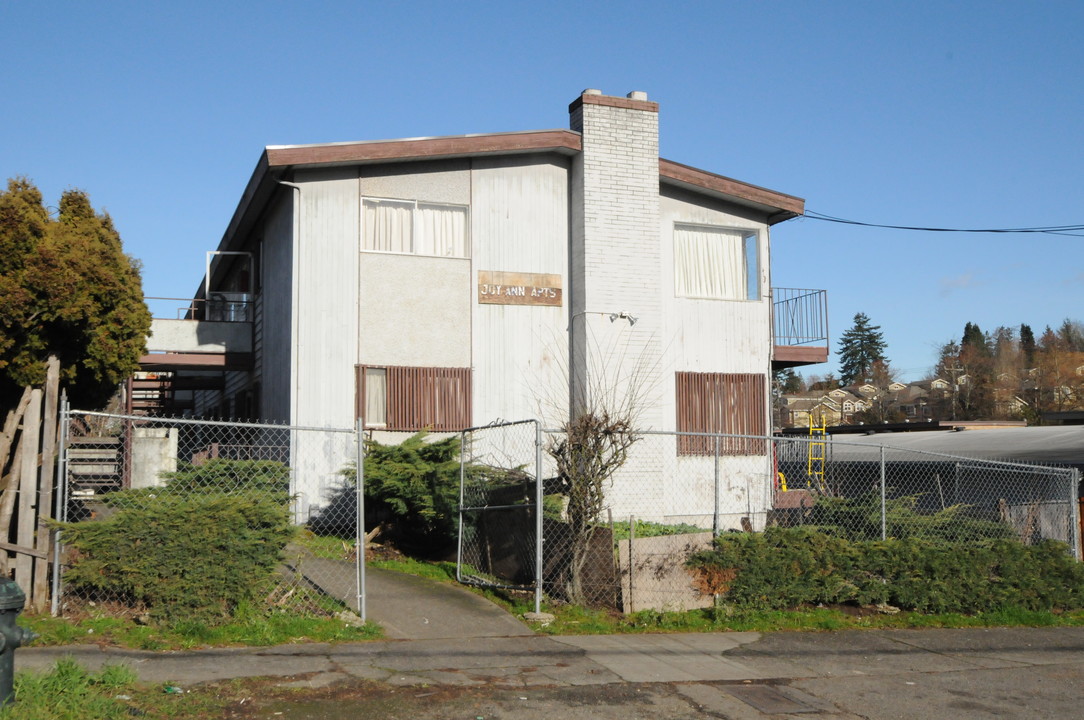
(1071, 230)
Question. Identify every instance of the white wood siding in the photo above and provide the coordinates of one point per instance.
(326, 299)
(275, 348)
(724, 336)
(519, 223)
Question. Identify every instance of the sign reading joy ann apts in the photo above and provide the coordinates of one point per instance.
(512, 288)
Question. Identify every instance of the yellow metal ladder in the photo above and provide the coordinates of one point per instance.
(816, 453)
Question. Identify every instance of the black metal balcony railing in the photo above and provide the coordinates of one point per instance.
(222, 307)
(800, 316)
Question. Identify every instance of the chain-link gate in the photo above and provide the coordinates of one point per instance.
(499, 498)
(116, 463)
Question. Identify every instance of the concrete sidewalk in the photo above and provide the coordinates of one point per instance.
(596, 659)
(1035, 672)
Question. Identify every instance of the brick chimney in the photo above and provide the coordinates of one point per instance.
(615, 263)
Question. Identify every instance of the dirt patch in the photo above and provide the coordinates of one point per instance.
(352, 699)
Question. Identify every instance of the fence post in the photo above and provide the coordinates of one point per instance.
(1074, 504)
(359, 521)
(60, 500)
(462, 502)
(538, 530)
(715, 516)
(632, 561)
(884, 519)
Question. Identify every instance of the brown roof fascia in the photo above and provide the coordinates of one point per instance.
(787, 206)
(425, 148)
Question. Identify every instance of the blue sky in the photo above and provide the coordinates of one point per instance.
(964, 114)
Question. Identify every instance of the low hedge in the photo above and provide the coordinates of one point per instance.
(783, 568)
(183, 557)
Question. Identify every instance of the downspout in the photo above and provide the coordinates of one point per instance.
(295, 302)
(295, 299)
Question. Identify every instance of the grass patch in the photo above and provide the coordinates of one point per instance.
(442, 571)
(247, 629)
(571, 620)
(70, 692)
(653, 529)
(579, 621)
(330, 547)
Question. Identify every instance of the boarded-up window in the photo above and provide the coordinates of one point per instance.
(730, 403)
(414, 398)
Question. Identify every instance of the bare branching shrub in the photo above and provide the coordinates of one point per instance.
(595, 444)
(606, 400)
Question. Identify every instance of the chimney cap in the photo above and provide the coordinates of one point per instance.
(591, 91)
(637, 95)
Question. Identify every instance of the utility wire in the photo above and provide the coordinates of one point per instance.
(1070, 230)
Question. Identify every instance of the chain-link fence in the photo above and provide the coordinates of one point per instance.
(676, 491)
(305, 476)
(524, 523)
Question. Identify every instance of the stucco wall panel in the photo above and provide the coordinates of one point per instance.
(415, 311)
(437, 182)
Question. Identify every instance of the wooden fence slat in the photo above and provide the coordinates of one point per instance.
(11, 424)
(25, 531)
(7, 502)
(45, 497)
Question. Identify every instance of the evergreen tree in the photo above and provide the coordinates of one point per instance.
(974, 339)
(1027, 345)
(1071, 336)
(66, 289)
(788, 381)
(974, 387)
(859, 348)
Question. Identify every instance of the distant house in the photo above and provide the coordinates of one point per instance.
(837, 407)
(840, 406)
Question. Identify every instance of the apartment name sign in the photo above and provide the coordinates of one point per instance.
(514, 288)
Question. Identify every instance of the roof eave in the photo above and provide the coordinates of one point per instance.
(774, 205)
(564, 142)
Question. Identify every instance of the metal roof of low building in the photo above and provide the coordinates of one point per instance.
(1062, 445)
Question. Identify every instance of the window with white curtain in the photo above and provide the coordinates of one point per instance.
(716, 263)
(414, 228)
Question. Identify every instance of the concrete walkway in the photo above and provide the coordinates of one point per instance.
(406, 606)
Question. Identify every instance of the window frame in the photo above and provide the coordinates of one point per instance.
(751, 260)
(414, 226)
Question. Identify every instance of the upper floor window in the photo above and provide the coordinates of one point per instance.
(716, 263)
(414, 228)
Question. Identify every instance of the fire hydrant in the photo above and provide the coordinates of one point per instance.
(12, 602)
